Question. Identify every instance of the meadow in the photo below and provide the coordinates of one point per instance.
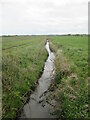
(71, 78)
(23, 60)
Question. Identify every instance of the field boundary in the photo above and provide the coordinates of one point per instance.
(14, 46)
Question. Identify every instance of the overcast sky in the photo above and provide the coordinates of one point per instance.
(43, 16)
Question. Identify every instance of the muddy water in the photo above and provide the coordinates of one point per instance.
(34, 109)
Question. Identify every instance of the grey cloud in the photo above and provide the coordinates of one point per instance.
(44, 16)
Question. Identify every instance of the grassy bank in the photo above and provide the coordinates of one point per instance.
(71, 79)
(23, 61)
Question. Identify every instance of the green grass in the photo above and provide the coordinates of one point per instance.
(71, 75)
(23, 61)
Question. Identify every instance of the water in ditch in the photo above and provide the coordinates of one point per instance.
(34, 109)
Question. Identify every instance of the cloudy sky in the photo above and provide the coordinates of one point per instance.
(43, 16)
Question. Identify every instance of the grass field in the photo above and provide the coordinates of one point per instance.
(23, 61)
(71, 78)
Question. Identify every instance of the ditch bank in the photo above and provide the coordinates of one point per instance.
(35, 107)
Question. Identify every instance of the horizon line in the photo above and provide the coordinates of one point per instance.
(43, 34)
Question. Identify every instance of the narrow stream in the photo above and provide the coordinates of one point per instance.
(34, 109)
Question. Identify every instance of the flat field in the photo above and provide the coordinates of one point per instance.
(23, 61)
(71, 75)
